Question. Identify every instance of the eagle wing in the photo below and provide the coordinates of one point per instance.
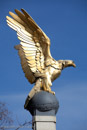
(34, 47)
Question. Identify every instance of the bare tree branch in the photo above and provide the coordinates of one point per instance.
(5, 118)
(24, 125)
(6, 121)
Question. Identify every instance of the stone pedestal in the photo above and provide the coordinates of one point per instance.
(43, 108)
(44, 123)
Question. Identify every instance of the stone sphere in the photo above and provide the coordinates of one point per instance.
(43, 102)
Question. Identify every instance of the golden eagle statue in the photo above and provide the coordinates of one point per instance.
(34, 51)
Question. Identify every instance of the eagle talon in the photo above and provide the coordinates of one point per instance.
(50, 91)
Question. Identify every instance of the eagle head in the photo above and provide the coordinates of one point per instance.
(66, 63)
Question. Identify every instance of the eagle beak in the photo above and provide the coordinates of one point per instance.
(69, 63)
(73, 64)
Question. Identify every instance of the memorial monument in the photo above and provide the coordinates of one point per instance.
(39, 68)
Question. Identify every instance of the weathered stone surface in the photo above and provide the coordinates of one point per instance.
(43, 102)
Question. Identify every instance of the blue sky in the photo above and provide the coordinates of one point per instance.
(65, 23)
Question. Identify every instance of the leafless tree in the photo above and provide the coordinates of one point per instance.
(5, 118)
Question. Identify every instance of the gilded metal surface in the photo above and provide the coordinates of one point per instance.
(34, 51)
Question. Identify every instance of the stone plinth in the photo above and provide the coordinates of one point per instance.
(43, 108)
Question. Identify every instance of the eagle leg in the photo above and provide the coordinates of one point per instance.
(46, 85)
